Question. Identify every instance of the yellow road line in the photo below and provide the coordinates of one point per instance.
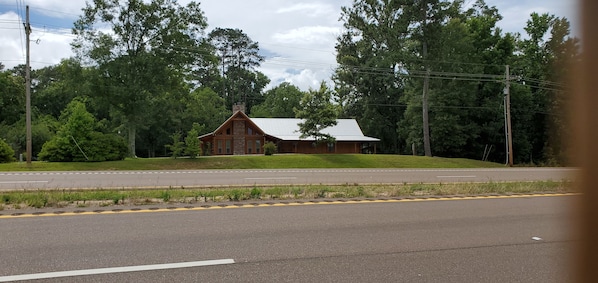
(277, 204)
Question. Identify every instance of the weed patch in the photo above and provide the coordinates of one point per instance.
(99, 197)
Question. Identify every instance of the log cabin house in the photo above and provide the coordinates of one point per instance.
(241, 135)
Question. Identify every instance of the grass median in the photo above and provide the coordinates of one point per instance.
(12, 200)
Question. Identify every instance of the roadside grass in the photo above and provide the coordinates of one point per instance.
(99, 197)
(280, 161)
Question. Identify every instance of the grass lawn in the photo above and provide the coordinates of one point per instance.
(258, 162)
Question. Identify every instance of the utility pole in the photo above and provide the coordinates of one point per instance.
(28, 88)
(508, 115)
(426, 86)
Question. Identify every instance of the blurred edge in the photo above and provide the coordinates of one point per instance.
(585, 128)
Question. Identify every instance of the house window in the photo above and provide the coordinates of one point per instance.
(219, 147)
(257, 146)
(228, 147)
(250, 131)
(249, 147)
(330, 147)
(228, 132)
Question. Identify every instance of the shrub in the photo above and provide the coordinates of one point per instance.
(100, 147)
(256, 193)
(7, 154)
(269, 148)
(236, 195)
(105, 147)
(77, 139)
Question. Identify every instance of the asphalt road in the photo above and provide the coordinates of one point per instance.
(485, 240)
(187, 178)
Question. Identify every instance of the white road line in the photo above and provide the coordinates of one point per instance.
(274, 178)
(23, 182)
(115, 270)
(456, 176)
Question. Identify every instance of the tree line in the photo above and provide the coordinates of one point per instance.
(430, 74)
(426, 74)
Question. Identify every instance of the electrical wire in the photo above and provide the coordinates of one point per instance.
(21, 36)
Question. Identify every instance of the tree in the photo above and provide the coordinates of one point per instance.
(465, 87)
(543, 64)
(149, 48)
(56, 86)
(426, 72)
(279, 102)
(429, 19)
(7, 154)
(192, 143)
(78, 140)
(318, 112)
(12, 97)
(204, 107)
(177, 147)
(239, 56)
(368, 83)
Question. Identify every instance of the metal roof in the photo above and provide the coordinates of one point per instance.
(288, 129)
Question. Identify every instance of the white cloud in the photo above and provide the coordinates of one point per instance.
(50, 48)
(12, 40)
(53, 8)
(47, 47)
(516, 13)
(308, 9)
(300, 76)
(308, 36)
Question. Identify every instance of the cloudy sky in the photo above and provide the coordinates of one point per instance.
(297, 35)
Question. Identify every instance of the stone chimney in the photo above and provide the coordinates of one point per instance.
(238, 107)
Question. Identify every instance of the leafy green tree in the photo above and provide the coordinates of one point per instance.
(465, 91)
(192, 143)
(204, 107)
(56, 86)
(368, 81)
(427, 72)
(78, 140)
(78, 124)
(177, 147)
(279, 102)
(166, 113)
(428, 21)
(12, 97)
(7, 154)
(318, 112)
(43, 128)
(149, 47)
(545, 60)
(492, 50)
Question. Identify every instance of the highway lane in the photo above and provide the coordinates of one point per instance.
(486, 240)
(188, 178)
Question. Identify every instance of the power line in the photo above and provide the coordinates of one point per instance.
(55, 11)
(19, 9)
